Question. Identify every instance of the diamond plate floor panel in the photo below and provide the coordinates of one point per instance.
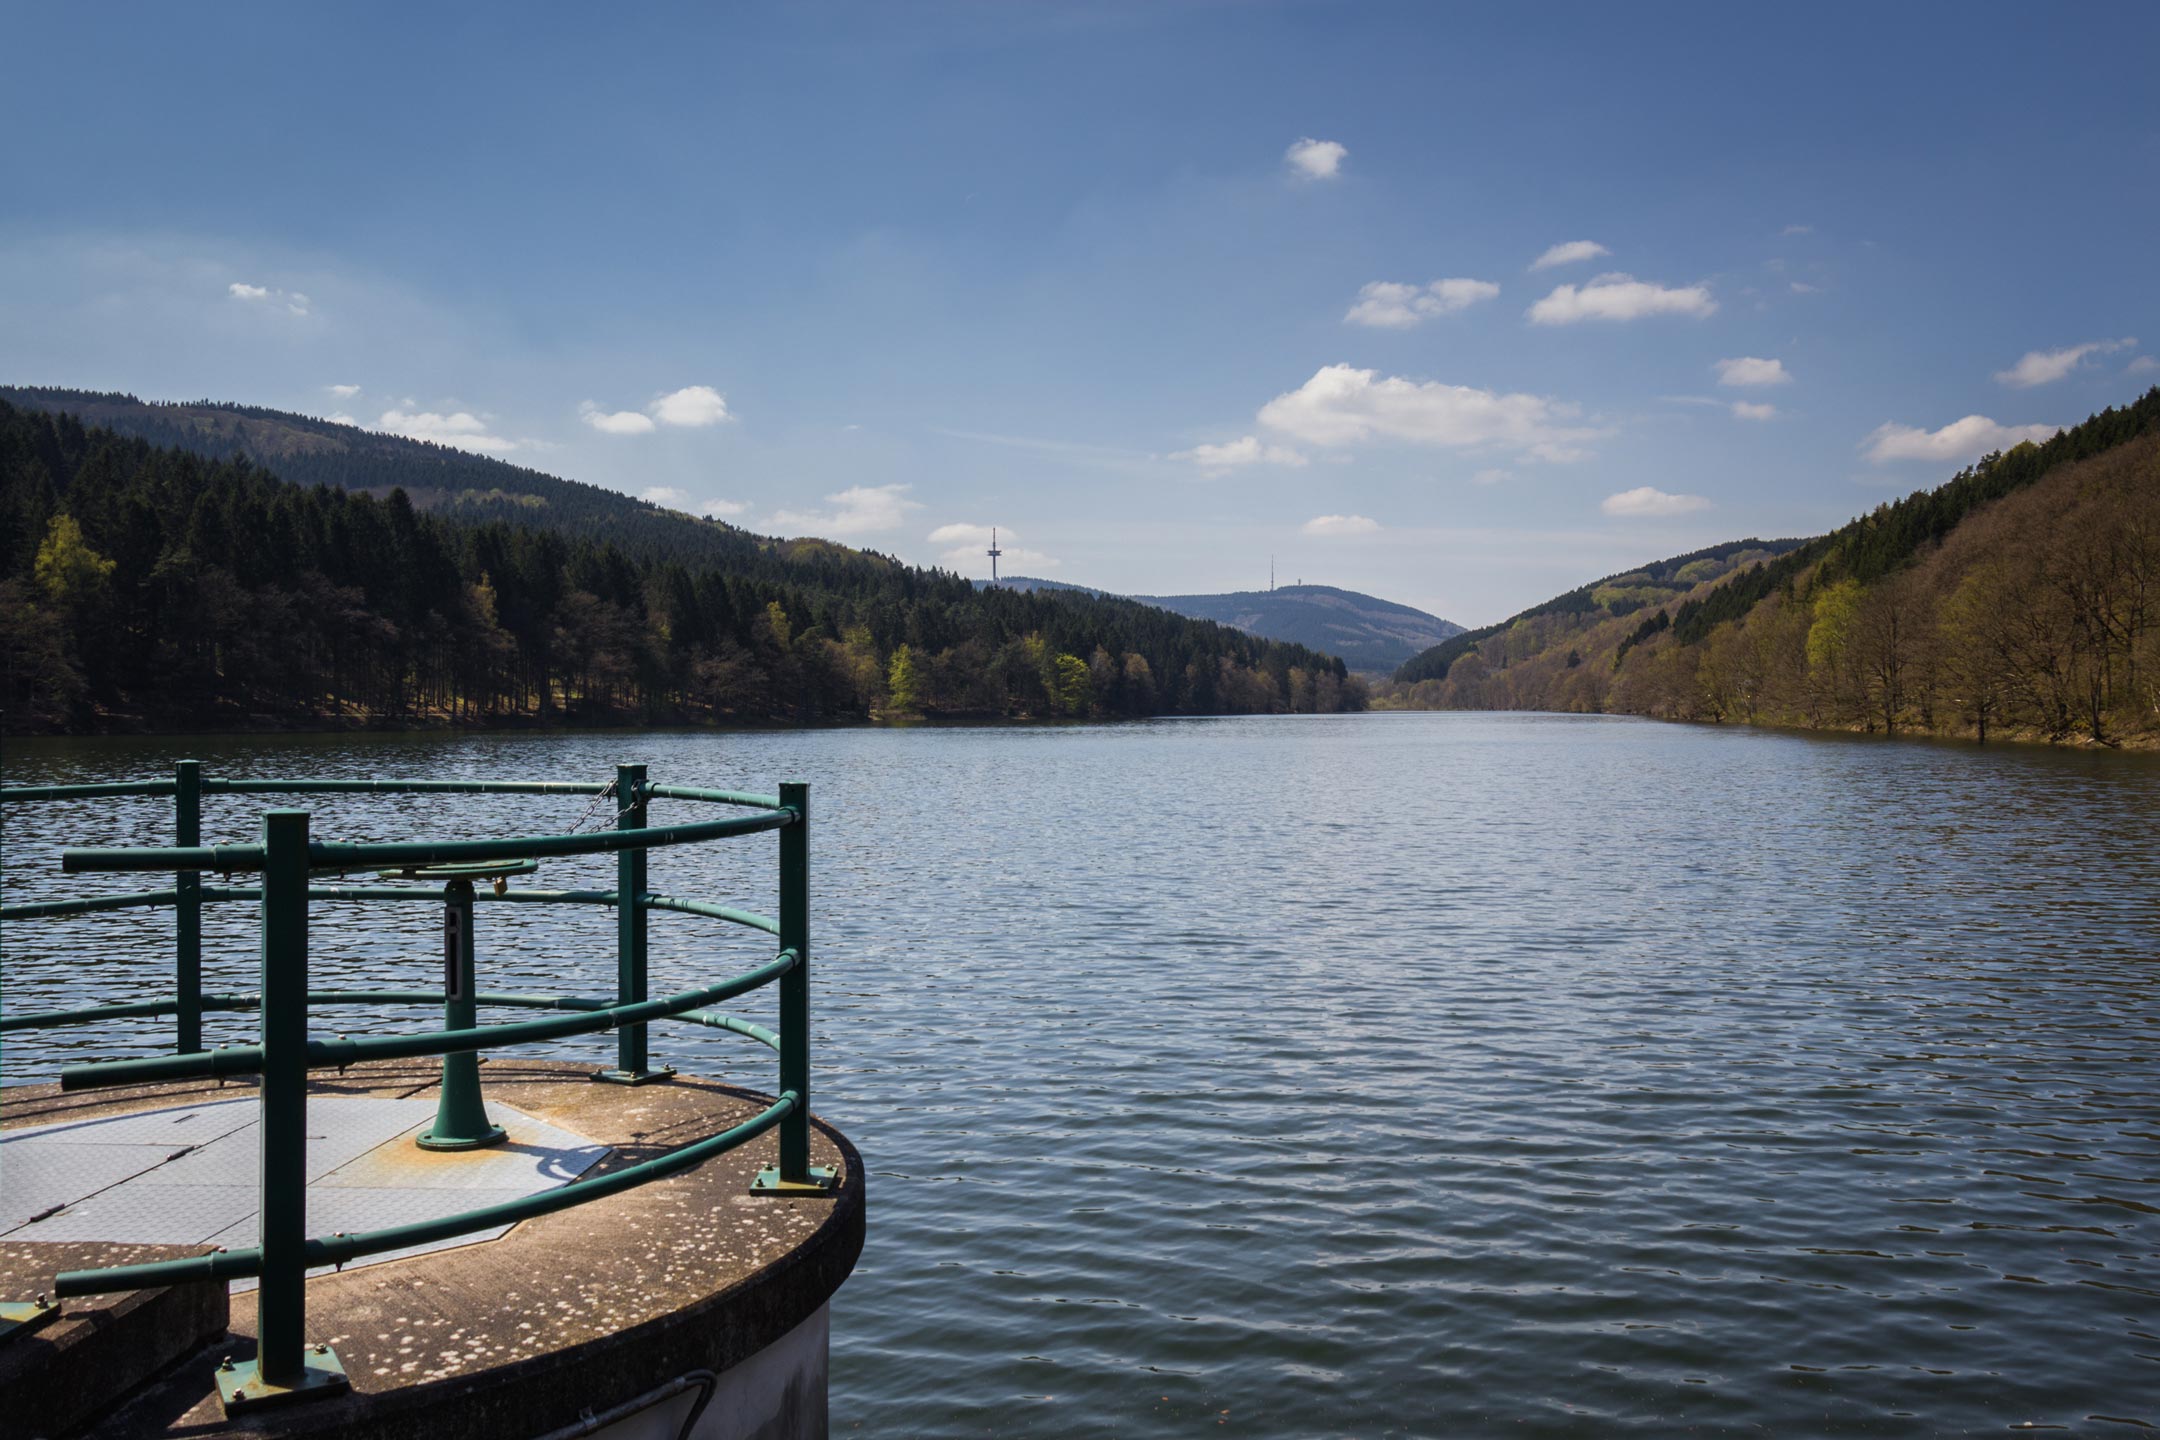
(189, 1176)
(183, 1125)
(338, 1131)
(143, 1212)
(536, 1156)
(37, 1177)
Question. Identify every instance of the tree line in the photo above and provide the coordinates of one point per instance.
(2022, 597)
(144, 585)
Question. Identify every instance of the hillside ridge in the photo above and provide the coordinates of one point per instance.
(2016, 598)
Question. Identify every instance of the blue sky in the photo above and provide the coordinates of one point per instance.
(1161, 290)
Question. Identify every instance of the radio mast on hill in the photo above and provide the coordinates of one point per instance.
(994, 552)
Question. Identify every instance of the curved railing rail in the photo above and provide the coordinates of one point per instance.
(291, 864)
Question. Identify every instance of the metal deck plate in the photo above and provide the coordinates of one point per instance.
(188, 1176)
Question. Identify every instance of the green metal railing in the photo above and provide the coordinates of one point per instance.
(291, 863)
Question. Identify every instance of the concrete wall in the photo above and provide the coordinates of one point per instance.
(777, 1394)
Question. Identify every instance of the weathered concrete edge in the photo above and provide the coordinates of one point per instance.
(82, 1365)
(540, 1393)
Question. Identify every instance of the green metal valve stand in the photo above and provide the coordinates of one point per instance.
(461, 1120)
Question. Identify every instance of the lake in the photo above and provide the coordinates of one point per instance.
(1397, 1074)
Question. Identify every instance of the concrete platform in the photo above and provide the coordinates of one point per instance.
(188, 1174)
(551, 1320)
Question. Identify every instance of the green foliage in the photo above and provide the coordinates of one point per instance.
(1835, 610)
(71, 574)
(1871, 547)
(1069, 685)
(903, 686)
(193, 590)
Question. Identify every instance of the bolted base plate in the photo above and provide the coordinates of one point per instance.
(22, 1317)
(429, 1140)
(822, 1181)
(634, 1077)
(322, 1376)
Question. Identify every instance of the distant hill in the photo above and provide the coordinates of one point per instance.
(1614, 597)
(2016, 598)
(453, 483)
(1372, 635)
(1028, 584)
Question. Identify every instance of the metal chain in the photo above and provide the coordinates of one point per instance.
(578, 825)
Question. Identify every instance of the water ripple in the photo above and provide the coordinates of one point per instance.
(1383, 1075)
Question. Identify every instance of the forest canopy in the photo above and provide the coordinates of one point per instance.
(148, 586)
(2021, 597)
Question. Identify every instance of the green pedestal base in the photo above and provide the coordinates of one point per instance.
(322, 1376)
(21, 1317)
(822, 1181)
(634, 1077)
(493, 1135)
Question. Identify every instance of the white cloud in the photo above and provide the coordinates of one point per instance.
(1748, 370)
(1620, 297)
(1801, 288)
(461, 430)
(693, 406)
(666, 495)
(343, 392)
(962, 533)
(723, 509)
(1748, 410)
(1341, 405)
(1491, 477)
(2045, 367)
(1965, 439)
(1235, 454)
(2142, 365)
(1316, 159)
(339, 417)
(858, 510)
(1645, 500)
(1395, 306)
(618, 422)
(1337, 526)
(292, 300)
(1797, 230)
(968, 542)
(1573, 252)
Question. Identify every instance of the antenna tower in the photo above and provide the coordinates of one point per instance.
(994, 552)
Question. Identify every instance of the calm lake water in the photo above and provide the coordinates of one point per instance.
(1378, 1075)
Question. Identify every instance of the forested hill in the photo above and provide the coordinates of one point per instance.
(2022, 596)
(435, 478)
(1579, 610)
(1371, 634)
(148, 587)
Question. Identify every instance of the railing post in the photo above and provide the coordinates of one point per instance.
(187, 912)
(285, 1367)
(461, 1119)
(795, 1174)
(630, 915)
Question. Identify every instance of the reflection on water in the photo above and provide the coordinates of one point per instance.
(1392, 1074)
